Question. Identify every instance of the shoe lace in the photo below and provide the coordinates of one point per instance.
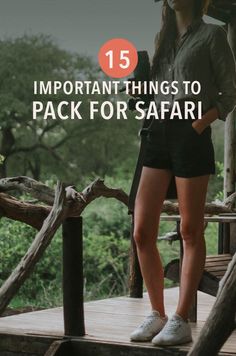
(147, 322)
(173, 325)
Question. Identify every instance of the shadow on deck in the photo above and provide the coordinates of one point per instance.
(108, 324)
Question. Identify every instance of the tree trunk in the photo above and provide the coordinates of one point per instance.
(230, 133)
(221, 321)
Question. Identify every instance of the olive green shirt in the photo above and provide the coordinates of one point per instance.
(203, 54)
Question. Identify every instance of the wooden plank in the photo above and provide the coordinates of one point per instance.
(217, 263)
(100, 326)
(219, 274)
(217, 257)
(215, 268)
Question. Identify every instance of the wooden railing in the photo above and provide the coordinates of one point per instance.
(73, 282)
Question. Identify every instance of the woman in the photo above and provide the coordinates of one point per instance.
(187, 49)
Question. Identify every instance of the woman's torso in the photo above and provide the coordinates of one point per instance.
(190, 61)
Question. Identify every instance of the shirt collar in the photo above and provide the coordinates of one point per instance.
(195, 24)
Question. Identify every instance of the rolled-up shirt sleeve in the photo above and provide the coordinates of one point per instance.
(224, 68)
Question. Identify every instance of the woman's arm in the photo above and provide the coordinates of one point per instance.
(224, 71)
(207, 118)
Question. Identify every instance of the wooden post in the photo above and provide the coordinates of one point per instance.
(73, 277)
(230, 134)
(136, 280)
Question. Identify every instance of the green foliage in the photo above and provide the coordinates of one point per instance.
(106, 266)
(43, 287)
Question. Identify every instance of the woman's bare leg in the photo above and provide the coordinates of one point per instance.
(191, 197)
(151, 193)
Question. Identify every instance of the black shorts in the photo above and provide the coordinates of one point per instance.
(176, 145)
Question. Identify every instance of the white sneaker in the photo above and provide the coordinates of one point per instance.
(151, 325)
(176, 331)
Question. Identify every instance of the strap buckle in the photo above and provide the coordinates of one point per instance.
(143, 132)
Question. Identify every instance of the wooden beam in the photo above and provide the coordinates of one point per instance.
(106, 348)
(73, 279)
(208, 284)
(59, 348)
(230, 133)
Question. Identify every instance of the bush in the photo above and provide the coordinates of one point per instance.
(106, 266)
(43, 287)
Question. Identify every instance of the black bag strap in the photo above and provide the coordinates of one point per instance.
(138, 169)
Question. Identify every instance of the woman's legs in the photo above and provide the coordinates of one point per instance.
(151, 193)
(191, 197)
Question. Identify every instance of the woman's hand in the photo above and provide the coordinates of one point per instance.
(207, 118)
(198, 127)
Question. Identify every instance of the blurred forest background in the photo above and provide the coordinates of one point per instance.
(76, 152)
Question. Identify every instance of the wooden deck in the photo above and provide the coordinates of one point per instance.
(108, 324)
